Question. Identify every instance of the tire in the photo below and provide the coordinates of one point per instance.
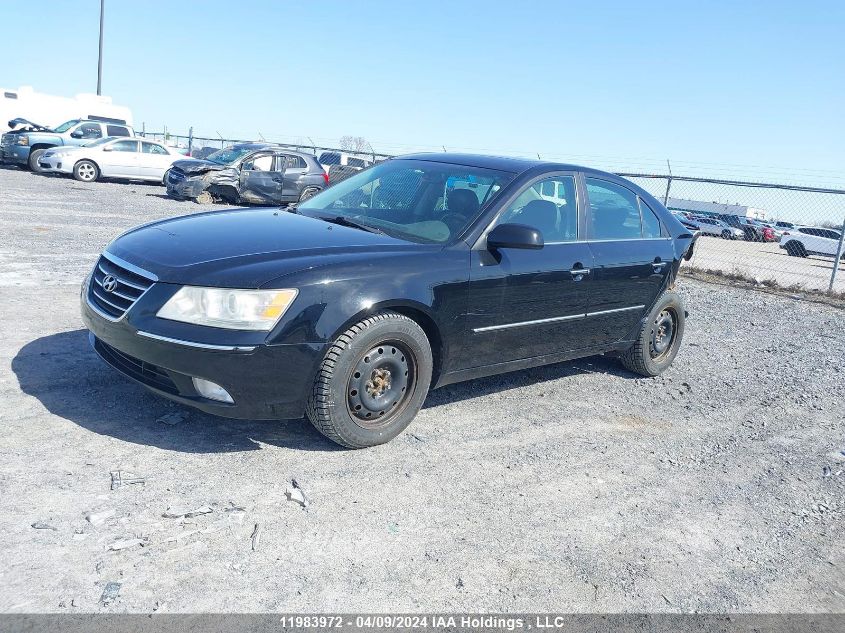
(726, 234)
(795, 249)
(86, 171)
(653, 353)
(164, 178)
(309, 192)
(361, 397)
(204, 198)
(34, 155)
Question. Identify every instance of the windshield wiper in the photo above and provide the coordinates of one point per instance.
(342, 220)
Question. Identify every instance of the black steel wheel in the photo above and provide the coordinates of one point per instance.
(372, 381)
(380, 384)
(663, 333)
(659, 339)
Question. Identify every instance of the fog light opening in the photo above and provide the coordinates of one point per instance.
(212, 390)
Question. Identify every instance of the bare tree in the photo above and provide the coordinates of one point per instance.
(355, 144)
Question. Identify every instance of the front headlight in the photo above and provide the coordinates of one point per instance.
(228, 308)
(22, 140)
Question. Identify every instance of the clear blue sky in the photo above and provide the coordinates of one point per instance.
(623, 85)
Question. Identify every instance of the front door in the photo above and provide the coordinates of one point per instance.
(261, 181)
(528, 303)
(120, 159)
(633, 256)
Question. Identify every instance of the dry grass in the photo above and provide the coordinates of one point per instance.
(737, 277)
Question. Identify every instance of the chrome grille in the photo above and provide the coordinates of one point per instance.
(126, 288)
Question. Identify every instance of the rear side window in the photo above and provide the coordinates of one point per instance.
(614, 211)
(651, 225)
(152, 148)
(355, 162)
(295, 162)
(116, 130)
(329, 158)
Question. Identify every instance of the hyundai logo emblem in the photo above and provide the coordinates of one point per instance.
(109, 283)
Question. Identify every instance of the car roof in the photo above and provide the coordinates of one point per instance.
(273, 146)
(502, 163)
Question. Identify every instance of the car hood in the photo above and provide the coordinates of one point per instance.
(192, 166)
(244, 248)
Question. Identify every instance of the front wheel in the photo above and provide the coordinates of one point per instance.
(726, 234)
(659, 339)
(34, 156)
(372, 381)
(86, 171)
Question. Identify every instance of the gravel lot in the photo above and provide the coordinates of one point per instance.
(718, 486)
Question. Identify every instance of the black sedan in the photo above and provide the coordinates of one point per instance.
(416, 273)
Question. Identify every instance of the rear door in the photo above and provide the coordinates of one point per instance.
(261, 181)
(528, 303)
(293, 168)
(632, 254)
(153, 161)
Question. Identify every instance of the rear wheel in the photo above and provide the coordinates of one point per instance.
(372, 382)
(34, 156)
(796, 249)
(726, 234)
(659, 339)
(86, 171)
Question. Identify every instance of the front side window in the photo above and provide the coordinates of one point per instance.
(262, 162)
(416, 200)
(89, 130)
(549, 206)
(614, 211)
(125, 146)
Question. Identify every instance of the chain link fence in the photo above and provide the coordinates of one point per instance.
(774, 234)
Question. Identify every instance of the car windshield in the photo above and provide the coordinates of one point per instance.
(421, 201)
(229, 155)
(64, 127)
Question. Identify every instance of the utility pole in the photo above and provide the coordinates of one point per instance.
(100, 56)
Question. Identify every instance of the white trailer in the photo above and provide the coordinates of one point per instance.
(51, 110)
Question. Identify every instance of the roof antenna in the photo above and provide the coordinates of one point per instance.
(444, 149)
(538, 156)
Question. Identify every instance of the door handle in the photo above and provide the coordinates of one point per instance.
(579, 273)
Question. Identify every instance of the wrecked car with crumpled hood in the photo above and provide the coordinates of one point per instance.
(248, 173)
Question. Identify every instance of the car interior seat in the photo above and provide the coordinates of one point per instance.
(542, 215)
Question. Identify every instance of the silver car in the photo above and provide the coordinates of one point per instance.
(112, 157)
(713, 226)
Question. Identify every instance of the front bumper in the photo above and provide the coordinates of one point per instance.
(14, 154)
(54, 163)
(185, 188)
(266, 382)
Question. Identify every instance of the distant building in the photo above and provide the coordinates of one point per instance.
(709, 208)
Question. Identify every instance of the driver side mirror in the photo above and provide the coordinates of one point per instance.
(77, 134)
(515, 236)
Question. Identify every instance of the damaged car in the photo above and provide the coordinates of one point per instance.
(248, 173)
